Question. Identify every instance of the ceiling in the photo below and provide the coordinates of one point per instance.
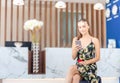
(81, 1)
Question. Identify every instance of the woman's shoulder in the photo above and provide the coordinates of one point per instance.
(95, 40)
(75, 38)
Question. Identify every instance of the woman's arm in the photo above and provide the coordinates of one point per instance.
(75, 48)
(97, 52)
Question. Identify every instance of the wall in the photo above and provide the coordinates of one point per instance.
(112, 21)
(12, 19)
(58, 61)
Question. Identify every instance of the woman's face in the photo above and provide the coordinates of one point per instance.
(83, 27)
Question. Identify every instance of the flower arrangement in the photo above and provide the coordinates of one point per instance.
(33, 25)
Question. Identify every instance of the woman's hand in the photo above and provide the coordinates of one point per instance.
(83, 63)
(77, 47)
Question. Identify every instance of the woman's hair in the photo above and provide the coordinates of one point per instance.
(79, 35)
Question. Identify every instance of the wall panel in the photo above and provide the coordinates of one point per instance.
(51, 34)
(56, 27)
(5, 21)
(23, 18)
(67, 42)
(0, 21)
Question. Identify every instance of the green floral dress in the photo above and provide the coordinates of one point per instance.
(87, 72)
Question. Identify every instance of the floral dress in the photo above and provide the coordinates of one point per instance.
(87, 72)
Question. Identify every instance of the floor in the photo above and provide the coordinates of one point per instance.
(56, 80)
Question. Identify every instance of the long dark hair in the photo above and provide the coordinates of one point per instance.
(79, 35)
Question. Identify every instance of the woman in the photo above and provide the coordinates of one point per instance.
(87, 54)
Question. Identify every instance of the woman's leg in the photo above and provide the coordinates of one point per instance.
(72, 71)
(70, 74)
(76, 78)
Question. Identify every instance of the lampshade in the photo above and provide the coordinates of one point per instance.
(18, 2)
(98, 6)
(60, 4)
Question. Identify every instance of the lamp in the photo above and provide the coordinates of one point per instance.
(60, 4)
(18, 2)
(98, 6)
(18, 44)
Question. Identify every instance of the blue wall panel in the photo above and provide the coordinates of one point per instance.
(113, 21)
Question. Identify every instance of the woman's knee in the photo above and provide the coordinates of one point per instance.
(72, 68)
(76, 77)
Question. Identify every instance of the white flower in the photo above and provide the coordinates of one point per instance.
(32, 24)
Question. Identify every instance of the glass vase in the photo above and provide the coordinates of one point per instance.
(35, 59)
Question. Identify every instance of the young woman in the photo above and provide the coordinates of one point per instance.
(86, 51)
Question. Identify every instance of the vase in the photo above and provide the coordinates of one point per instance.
(35, 59)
